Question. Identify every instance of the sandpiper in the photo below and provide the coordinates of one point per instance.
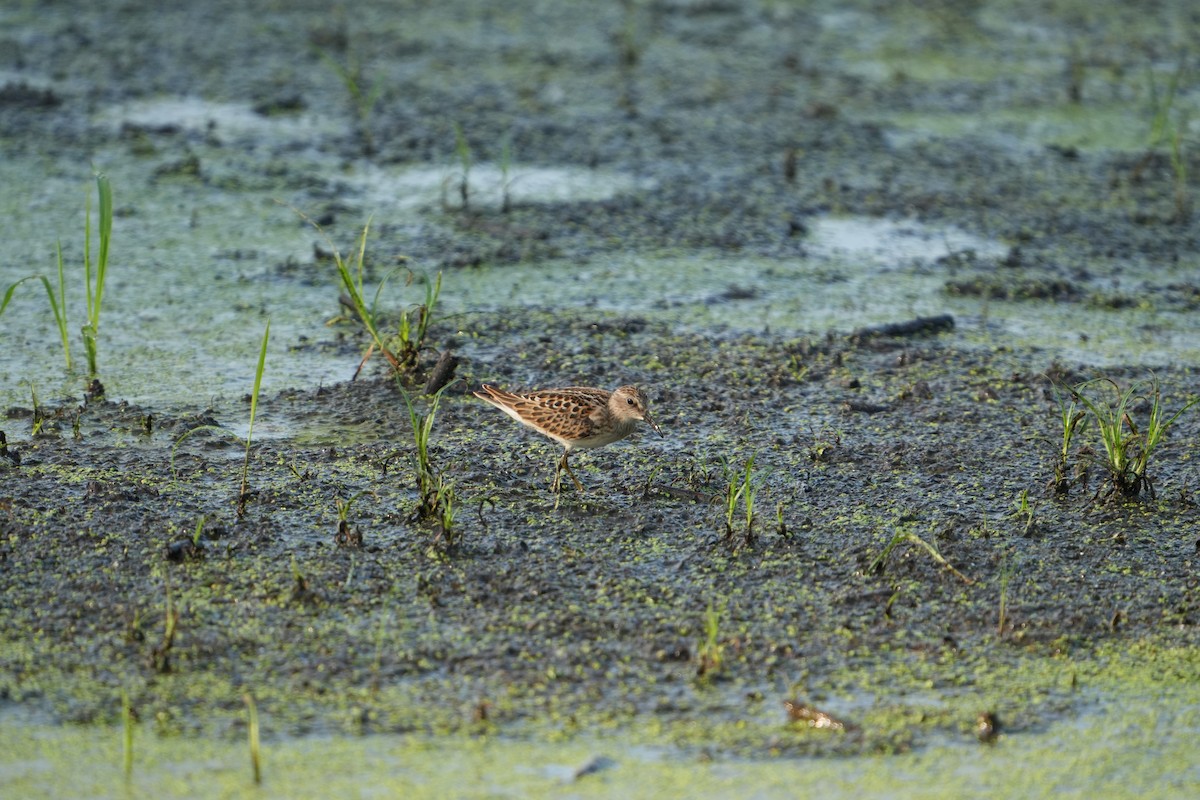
(575, 416)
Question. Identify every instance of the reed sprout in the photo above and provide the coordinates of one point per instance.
(436, 496)
(94, 279)
(1127, 447)
(741, 487)
(252, 738)
(258, 375)
(95, 290)
(710, 654)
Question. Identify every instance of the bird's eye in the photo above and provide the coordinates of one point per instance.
(629, 400)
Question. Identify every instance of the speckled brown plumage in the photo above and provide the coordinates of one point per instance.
(574, 416)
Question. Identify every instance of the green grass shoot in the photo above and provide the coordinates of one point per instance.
(1006, 570)
(447, 507)
(1127, 447)
(403, 349)
(37, 414)
(58, 303)
(94, 278)
(258, 375)
(350, 275)
(412, 334)
(1074, 421)
(904, 534)
(352, 284)
(710, 654)
(95, 289)
(1179, 167)
(1162, 105)
(1172, 133)
(434, 494)
(1024, 512)
(740, 487)
(463, 149)
(252, 738)
(748, 492)
(160, 656)
(362, 101)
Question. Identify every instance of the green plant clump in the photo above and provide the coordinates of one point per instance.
(1127, 447)
(710, 654)
(436, 497)
(740, 487)
(402, 349)
(94, 278)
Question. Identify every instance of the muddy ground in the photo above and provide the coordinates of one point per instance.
(542, 620)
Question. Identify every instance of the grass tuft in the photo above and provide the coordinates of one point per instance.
(1127, 447)
(362, 100)
(402, 349)
(740, 487)
(436, 497)
(93, 279)
(710, 653)
(1074, 421)
(160, 656)
(347, 535)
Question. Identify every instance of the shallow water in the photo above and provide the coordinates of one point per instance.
(1141, 743)
(196, 274)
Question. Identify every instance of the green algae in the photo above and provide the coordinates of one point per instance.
(1134, 721)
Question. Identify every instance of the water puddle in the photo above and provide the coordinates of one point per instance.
(885, 242)
(196, 278)
(1114, 740)
(192, 280)
(196, 115)
(1094, 127)
(859, 271)
(948, 56)
(489, 185)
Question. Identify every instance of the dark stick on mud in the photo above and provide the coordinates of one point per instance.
(920, 326)
(442, 372)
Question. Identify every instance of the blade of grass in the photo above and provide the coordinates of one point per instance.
(252, 737)
(354, 289)
(258, 374)
(60, 308)
(95, 292)
(58, 305)
(463, 149)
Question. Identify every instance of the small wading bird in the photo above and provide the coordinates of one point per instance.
(575, 417)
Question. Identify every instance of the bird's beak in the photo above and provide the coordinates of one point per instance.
(650, 421)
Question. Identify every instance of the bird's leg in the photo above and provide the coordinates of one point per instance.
(564, 465)
(557, 485)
